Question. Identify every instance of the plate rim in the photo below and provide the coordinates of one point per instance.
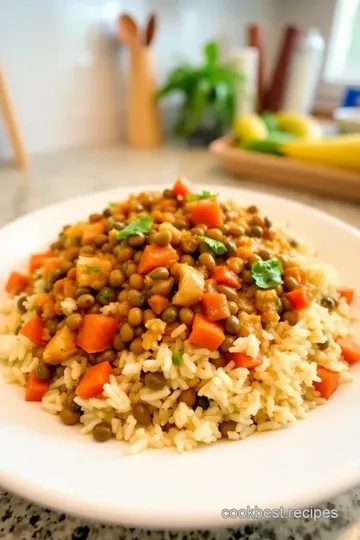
(337, 484)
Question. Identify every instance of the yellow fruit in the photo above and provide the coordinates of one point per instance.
(250, 127)
(342, 151)
(298, 124)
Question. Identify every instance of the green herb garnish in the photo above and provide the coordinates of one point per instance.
(105, 294)
(112, 204)
(267, 274)
(177, 358)
(218, 247)
(191, 197)
(140, 226)
(93, 268)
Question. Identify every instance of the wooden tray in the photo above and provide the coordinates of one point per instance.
(286, 171)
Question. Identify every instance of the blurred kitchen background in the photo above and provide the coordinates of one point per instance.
(70, 82)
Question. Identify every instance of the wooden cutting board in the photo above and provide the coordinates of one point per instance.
(286, 171)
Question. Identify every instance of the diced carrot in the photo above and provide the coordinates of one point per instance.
(37, 260)
(206, 212)
(97, 228)
(215, 306)
(243, 360)
(35, 388)
(158, 303)
(347, 293)
(181, 187)
(350, 349)
(224, 276)
(244, 252)
(329, 383)
(205, 333)
(34, 330)
(50, 264)
(300, 298)
(297, 273)
(93, 381)
(154, 256)
(16, 283)
(96, 332)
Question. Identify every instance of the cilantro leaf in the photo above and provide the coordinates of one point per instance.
(139, 226)
(112, 204)
(267, 274)
(218, 247)
(93, 268)
(191, 197)
(177, 358)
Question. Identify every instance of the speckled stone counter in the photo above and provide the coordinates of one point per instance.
(65, 175)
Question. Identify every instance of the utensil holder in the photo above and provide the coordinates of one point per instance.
(144, 124)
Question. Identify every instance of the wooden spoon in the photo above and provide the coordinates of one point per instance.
(128, 30)
(150, 29)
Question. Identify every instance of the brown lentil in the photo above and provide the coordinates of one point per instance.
(227, 343)
(127, 332)
(136, 240)
(162, 238)
(163, 288)
(148, 315)
(43, 371)
(118, 343)
(291, 283)
(186, 316)
(136, 298)
(215, 234)
(105, 296)
(291, 317)
(231, 324)
(106, 356)
(74, 321)
(87, 250)
(220, 361)
(207, 260)
(95, 309)
(135, 316)
(227, 426)
(188, 397)
(100, 240)
(142, 414)
(125, 254)
(230, 293)
(155, 381)
(106, 248)
(170, 314)
(116, 278)
(159, 273)
(187, 259)
(136, 346)
(190, 245)
(69, 417)
(102, 432)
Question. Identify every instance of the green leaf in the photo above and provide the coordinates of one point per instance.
(177, 358)
(211, 52)
(218, 247)
(267, 274)
(139, 226)
(191, 197)
(112, 204)
(93, 268)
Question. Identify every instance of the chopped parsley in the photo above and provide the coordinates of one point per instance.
(139, 226)
(267, 274)
(177, 358)
(105, 294)
(112, 204)
(191, 197)
(93, 268)
(218, 247)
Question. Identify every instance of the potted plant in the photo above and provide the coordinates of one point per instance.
(208, 97)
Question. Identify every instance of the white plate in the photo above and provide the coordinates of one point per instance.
(53, 465)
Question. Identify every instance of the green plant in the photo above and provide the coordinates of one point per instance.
(208, 92)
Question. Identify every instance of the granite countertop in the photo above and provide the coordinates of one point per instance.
(69, 174)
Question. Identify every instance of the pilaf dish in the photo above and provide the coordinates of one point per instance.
(173, 319)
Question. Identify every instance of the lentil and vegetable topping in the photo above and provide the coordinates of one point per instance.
(132, 293)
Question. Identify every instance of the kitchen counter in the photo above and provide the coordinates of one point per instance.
(69, 174)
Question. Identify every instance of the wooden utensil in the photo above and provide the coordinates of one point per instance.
(21, 156)
(128, 30)
(255, 39)
(143, 121)
(275, 96)
(150, 29)
(286, 171)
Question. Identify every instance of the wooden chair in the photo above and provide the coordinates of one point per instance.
(8, 113)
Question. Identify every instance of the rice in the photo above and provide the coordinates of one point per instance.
(276, 393)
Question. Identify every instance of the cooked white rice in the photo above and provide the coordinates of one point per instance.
(274, 394)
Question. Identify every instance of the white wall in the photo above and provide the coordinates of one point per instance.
(64, 69)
